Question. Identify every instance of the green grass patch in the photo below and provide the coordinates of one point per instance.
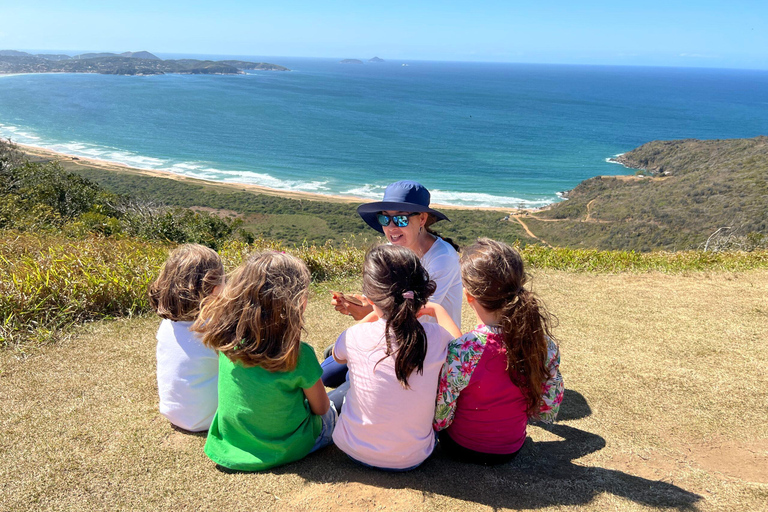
(49, 282)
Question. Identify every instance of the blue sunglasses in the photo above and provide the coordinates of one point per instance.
(400, 221)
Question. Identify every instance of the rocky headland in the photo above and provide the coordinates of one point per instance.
(127, 63)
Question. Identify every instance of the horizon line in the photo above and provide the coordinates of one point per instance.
(556, 63)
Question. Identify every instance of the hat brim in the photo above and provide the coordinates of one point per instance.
(368, 211)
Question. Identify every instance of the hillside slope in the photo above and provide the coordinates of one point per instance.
(685, 190)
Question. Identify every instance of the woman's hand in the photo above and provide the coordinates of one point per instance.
(345, 307)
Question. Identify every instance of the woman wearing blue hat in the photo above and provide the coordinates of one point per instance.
(404, 217)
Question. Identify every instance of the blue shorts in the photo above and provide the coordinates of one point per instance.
(326, 434)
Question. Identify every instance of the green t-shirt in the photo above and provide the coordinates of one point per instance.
(263, 419)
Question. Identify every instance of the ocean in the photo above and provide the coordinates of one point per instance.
(476, 134)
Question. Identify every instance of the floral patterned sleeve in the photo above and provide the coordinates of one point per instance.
(463, 355)
(553, 389)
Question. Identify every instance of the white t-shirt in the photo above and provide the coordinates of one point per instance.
(382, 424)
(187, 377)
(442, 263)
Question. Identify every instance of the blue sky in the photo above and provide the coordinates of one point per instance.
(698, 33)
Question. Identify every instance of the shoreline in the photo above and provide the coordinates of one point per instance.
(86, 162)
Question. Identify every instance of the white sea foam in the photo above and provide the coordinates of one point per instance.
(266, 180)
(612, 159)
(204, 170)
(370, 191)
(482, 199)
(455, 198)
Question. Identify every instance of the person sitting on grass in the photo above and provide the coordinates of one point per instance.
(187, 371)
(394, 362)
(503, 372)
(273, 408)
(405, 218)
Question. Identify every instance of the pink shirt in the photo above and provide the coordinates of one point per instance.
(477, 402)
(382, 424)
(490, 415)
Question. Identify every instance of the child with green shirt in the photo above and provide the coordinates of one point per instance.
(273, 408)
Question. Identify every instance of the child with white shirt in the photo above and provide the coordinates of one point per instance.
(187, 371)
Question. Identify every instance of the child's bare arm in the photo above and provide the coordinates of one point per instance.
(370, 317)
(444, 320)
(317, 398)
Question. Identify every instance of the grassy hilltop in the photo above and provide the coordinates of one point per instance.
(657, 414)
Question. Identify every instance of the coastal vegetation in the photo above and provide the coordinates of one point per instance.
(81, 243)
(688, 194)
(40, 197)
(286, 219)
(127, 63)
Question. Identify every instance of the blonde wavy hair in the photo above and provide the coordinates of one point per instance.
(190, 274)
(258, 317)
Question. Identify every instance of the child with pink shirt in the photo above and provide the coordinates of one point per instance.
(394, 363)
(504, 371)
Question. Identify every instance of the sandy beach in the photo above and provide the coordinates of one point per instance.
(70, 161)
(78, 161)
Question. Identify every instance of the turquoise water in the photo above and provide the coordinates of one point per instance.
(475, 134)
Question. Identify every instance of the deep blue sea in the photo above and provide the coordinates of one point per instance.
(473, 133)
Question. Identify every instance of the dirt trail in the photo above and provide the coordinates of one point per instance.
(587, 218)
(530, 233)
(589, 211)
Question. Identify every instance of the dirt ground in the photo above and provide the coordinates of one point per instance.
(665, 407)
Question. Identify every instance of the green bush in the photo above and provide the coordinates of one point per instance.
(49, 282)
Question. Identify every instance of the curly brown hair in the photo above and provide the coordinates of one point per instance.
(257, 318)
(388, 272)
(190, 274)
(493, 273)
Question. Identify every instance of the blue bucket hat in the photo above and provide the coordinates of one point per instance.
(403, 196)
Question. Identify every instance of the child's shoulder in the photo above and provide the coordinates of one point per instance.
(307, 351)
(365, 328)
(472, 340)
(179, 330)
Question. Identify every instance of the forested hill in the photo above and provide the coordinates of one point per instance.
(683, 192)
(127, 63)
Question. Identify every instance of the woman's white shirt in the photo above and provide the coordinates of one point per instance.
(442, 264)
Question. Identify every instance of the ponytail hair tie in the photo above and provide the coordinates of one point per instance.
(408, 295)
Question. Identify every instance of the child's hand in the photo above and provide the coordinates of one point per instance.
(345, 307)
(428, 309)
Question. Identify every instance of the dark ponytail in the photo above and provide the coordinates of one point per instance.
(431, 219)
(493, 273)
(395, 280)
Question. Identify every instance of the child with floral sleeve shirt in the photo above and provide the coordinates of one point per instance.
(504, 371)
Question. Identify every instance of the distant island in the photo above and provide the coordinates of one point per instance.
(127, 63)
(376, 59)
(351, 61)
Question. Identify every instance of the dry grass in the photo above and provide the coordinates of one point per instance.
(665, 408)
